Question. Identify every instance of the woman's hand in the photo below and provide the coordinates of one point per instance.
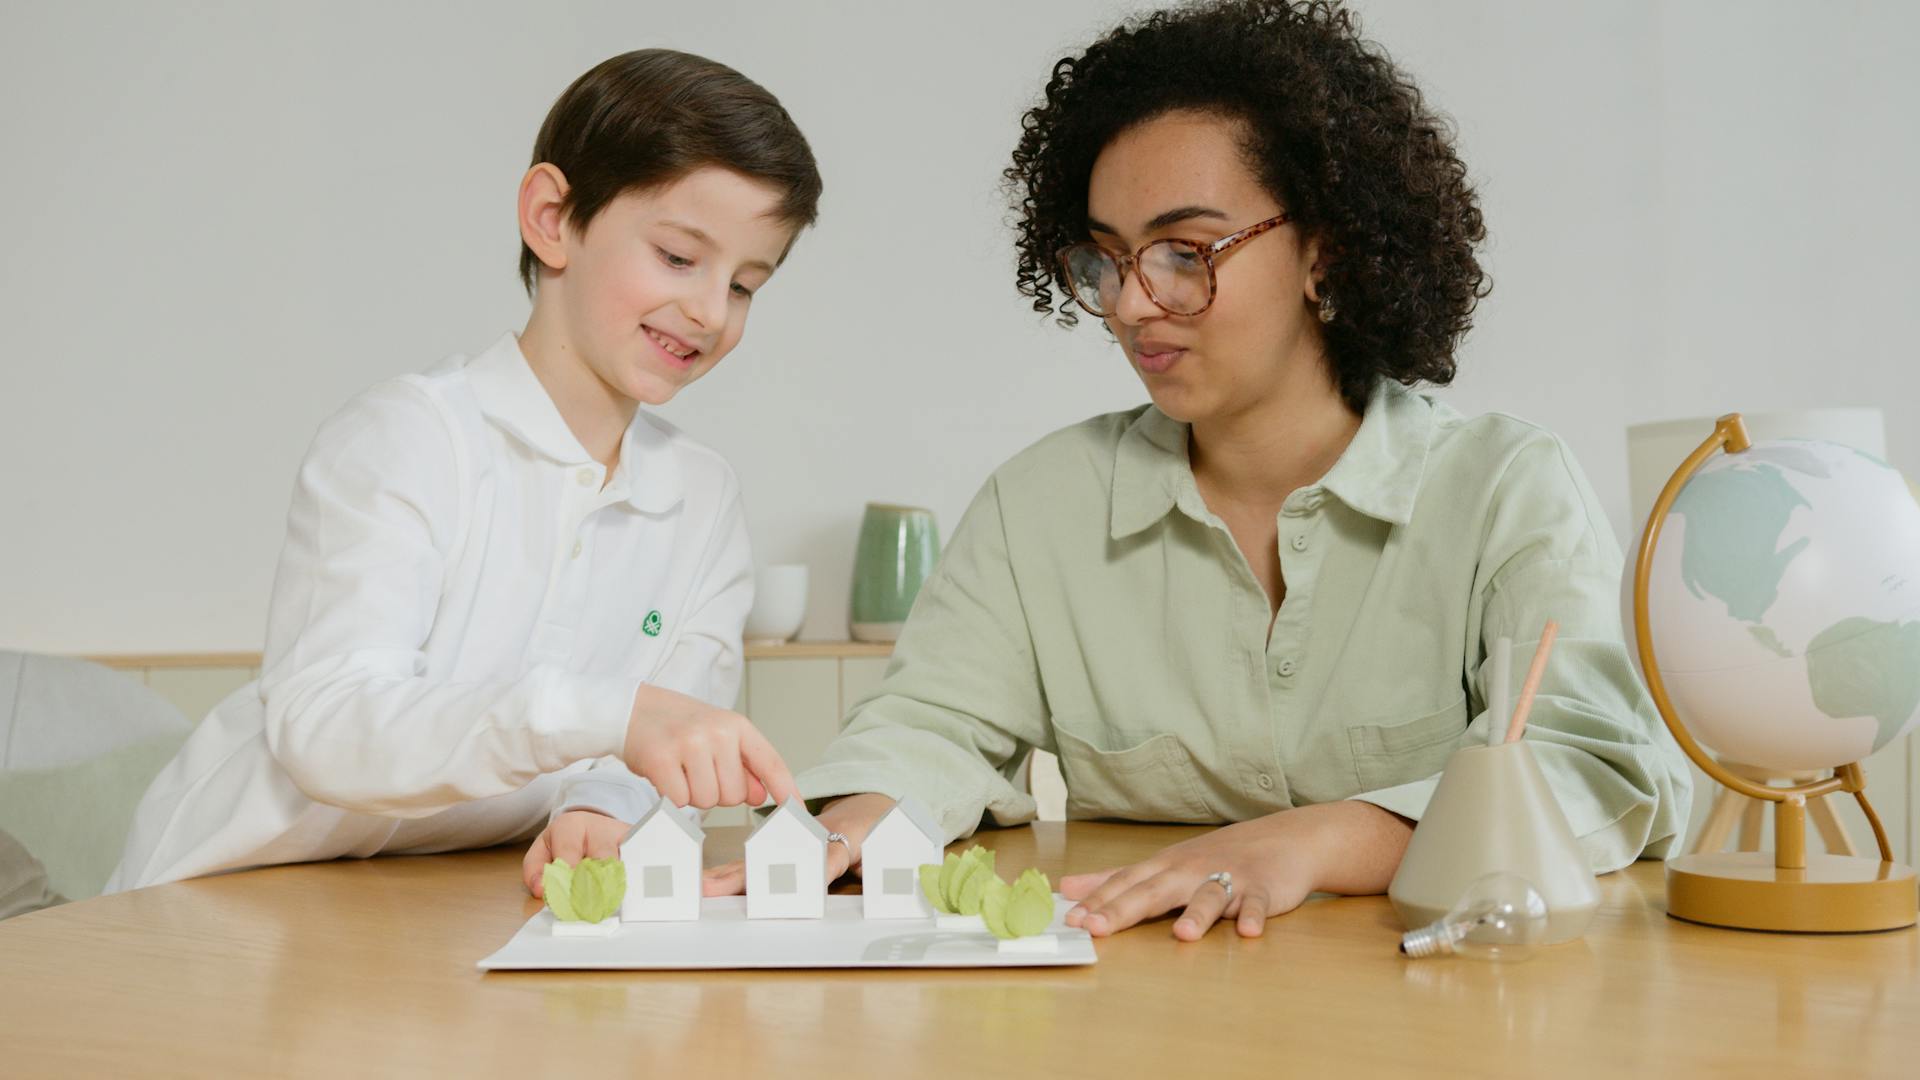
(697, 755)
(852, 817)
(574, 835)
(1276, 861)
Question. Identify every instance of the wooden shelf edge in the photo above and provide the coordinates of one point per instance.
(813, 650)
(791, 650)
(150, 661)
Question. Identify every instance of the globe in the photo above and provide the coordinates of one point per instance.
(1784, 605)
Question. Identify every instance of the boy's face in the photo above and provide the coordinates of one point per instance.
(657, 289)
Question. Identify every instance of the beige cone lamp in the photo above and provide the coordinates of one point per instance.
(1493, 812)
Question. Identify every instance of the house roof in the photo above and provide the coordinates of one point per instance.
(685, 819)
(797, 810)
(918, 816)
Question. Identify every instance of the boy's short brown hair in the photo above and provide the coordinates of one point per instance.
(644, 119)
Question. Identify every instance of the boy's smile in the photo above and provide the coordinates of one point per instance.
(676, 349)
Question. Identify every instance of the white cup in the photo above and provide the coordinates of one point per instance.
(779, 603)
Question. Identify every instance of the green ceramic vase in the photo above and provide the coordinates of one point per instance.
(898, 547)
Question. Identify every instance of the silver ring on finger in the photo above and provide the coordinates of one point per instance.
(836, 838)
(1223, 879)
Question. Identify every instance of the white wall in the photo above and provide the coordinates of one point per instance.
(224, 219)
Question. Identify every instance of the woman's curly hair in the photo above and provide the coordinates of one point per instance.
(1335, 132)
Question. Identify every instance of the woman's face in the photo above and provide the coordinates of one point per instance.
(1182, 175)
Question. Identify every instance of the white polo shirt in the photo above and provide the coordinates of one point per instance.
(460, 619)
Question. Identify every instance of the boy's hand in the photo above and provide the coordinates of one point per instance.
(574, 835)
(697, 755)
(852, 817)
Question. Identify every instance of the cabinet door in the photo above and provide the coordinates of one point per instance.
(1049, 788)
(196, 690)
(796, 704)
(1913, 799)
(858, 676)
(734, 815)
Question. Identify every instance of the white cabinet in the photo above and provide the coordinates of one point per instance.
(858, 676)
(795, 702)
(196, 690)
(800, 694)
(794, 725)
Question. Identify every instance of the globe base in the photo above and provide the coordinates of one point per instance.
(1833, 894)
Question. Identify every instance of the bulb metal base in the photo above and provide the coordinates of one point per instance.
(1435, 940)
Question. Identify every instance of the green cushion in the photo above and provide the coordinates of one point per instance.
(74, 818)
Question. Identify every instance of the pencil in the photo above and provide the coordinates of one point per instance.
(1532, 684)
(1498, 696)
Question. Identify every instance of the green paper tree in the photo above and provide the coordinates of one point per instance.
(589, 892)
(967, 884)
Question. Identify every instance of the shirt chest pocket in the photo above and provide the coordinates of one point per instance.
(1389, 754)
(1150, 780)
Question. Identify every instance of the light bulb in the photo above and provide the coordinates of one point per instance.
(1500, 917)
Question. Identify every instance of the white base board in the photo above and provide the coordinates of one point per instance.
(724, 938)
(605, 928)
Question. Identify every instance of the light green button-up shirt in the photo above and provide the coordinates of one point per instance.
(1089, 604)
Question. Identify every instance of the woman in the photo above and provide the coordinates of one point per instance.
(1266, 599)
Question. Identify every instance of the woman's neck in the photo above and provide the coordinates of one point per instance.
(1260, 454)
(597, 414)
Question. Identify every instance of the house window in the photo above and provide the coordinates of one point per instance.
(898, 881)
(656, 883)
(783, 879)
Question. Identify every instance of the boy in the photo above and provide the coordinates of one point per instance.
(504, 568)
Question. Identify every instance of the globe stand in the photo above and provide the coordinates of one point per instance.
(1731, 808)
(1786, 889)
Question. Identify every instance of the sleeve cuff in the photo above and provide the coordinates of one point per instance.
(1408, 800)
(612, 791)
(958, 817)
(1601, 841)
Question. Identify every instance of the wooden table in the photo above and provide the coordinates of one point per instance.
(367, 968)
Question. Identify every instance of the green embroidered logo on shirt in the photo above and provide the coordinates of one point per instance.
(651, 627)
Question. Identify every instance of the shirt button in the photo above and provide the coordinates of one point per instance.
(585, 476)
(577, 548)
(1284, 668)
(1300, 542)
(1266, 782)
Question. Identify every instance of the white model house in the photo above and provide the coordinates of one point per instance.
(787, 865)
(662, 853)
(891, 859)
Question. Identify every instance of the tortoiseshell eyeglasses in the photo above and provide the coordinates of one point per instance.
(1178, 274)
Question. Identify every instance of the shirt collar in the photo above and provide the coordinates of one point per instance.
(1151, 473)
(1378, 474)
(511, 396)
(650, 466)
